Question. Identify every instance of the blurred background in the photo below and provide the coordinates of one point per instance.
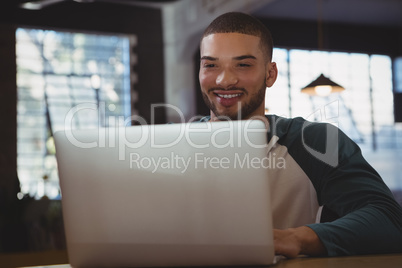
(59, 57)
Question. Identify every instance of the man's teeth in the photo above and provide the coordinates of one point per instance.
(228, 96)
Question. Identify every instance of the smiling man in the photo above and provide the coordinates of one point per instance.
(236, 69)
(234, 74)
(323, 166)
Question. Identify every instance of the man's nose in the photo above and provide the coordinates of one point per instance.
(226, 79)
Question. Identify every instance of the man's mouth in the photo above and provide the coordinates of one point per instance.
(228, 96)
(228, 99)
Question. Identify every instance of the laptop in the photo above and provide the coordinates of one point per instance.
(189, 194)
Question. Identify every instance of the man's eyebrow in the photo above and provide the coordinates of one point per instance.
(208, 58)
(243, 57)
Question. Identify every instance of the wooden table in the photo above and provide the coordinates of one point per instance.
(369, 261)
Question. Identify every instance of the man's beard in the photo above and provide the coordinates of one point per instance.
(244, 109)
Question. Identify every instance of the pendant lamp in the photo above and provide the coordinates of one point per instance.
(322, 86)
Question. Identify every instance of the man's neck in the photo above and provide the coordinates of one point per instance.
(262, 117)
(254, 116)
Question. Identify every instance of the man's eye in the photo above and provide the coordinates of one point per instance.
(209, 65)
(244, 65)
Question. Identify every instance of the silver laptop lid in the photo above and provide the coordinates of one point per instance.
(166, 195)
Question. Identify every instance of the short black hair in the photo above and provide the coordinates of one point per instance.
(238, 22)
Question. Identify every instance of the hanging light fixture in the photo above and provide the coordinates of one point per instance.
(322, 86)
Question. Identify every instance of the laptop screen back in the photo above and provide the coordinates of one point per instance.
(166, 195)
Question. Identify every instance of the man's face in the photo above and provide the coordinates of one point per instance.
(234, 75)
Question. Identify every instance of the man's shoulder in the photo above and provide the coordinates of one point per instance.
(294, 131)
(280, 125)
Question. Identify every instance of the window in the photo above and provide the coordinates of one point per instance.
(56, 72)
(364, 111)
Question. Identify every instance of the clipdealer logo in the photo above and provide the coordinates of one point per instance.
(116, 137)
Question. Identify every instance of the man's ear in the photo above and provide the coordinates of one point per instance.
(272, 74)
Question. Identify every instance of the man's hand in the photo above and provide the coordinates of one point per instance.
(295, 241)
